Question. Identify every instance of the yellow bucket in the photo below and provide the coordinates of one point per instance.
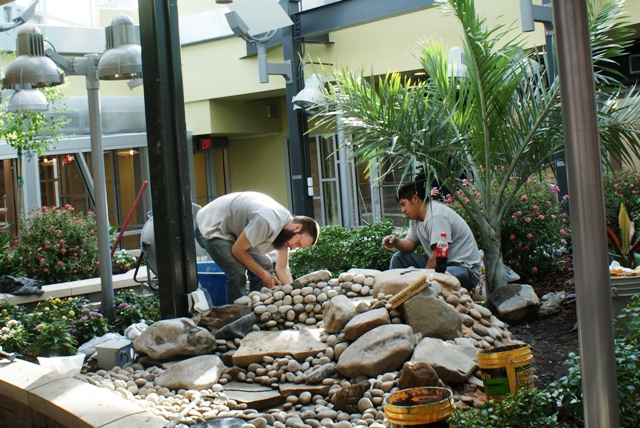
(418, 407)
(505, 369)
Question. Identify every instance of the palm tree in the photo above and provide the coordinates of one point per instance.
(500, 122)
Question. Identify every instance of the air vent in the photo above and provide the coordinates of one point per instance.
(634, 64)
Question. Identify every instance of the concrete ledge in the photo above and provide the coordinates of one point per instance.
(83, 287)
(33, 396)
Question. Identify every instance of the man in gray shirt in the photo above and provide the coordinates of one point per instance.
(239, 229)
(427, 220)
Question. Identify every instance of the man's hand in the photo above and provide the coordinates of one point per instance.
(389, 242)
(269, 280)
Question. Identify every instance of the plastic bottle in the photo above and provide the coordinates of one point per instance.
(442, 253)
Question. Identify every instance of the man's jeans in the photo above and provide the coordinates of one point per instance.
(220, 251)
(466, 276)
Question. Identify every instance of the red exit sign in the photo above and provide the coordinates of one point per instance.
(203, 143)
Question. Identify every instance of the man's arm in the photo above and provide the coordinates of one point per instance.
(282, 266)
(240, 251)
(405, 245)
(431, 263)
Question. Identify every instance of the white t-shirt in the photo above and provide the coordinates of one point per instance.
(440, 218)
(258, 215)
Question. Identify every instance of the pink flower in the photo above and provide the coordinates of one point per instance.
(535, 208)
(524, 197)
(59, 262)
(512, 237)
(64, 250)
(528, 219)
(553, 216)
(541, 217)
(563, 232)
(41, 261)
(45, 270)
(529, 236)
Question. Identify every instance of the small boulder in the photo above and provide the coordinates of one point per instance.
(174, 338)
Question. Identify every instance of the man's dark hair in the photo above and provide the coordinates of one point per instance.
(309, 226)
(417, 188)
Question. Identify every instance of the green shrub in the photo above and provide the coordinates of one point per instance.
(526, 408)
(339, 250)
(55, 245)
(568, 389)
(534, 229)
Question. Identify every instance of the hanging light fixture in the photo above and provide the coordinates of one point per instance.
(123, 58)
(27, 99)
(31, 69)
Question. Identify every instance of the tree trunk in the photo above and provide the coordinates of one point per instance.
(494, 271)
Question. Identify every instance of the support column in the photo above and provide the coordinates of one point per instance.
(168, 155)
(588, 221)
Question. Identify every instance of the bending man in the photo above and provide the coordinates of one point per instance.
(427, 220)
(239, 229)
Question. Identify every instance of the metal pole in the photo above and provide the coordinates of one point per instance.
(168, 155)
(346, 196)
(292, 47)
(100, 187)
(584, 165)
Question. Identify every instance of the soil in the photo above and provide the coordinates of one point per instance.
(552, 338)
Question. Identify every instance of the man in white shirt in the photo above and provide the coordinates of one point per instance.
(427, 220)
(239, 229)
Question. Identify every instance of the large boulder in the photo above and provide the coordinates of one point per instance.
(453, 362)
(175, 338)
(338, 313)
(364, 322)
(432, 317)
(197, 373)
(516, 303)
(381, 350)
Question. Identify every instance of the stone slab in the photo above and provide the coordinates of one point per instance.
(74, 403)
(19, 377)
(300, 344)
(287, 389)
(138, 420)
(254, 395)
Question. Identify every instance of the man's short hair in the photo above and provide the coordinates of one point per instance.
(417, 188)
(309, 226)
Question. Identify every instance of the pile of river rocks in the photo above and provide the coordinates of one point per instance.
(322, 351)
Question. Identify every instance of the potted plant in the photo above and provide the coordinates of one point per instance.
(624, 250)
(625, 268)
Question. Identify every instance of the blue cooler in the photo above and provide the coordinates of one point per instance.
(212, 279)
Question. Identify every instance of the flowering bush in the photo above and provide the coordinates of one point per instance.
(13, 337)
(90, 324)
(58, 326)
(534, 229)
(132, 307)
(55, 245)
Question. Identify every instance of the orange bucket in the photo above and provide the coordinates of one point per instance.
(419, 407)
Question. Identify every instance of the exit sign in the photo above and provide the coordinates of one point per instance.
(203, 143)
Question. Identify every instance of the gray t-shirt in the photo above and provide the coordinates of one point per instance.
(439, 218)
(258, 215)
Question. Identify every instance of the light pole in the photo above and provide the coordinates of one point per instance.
(36, 68)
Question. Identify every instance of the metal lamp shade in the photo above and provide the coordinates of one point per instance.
(27, 99)
(31, 69)
(121, 63)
